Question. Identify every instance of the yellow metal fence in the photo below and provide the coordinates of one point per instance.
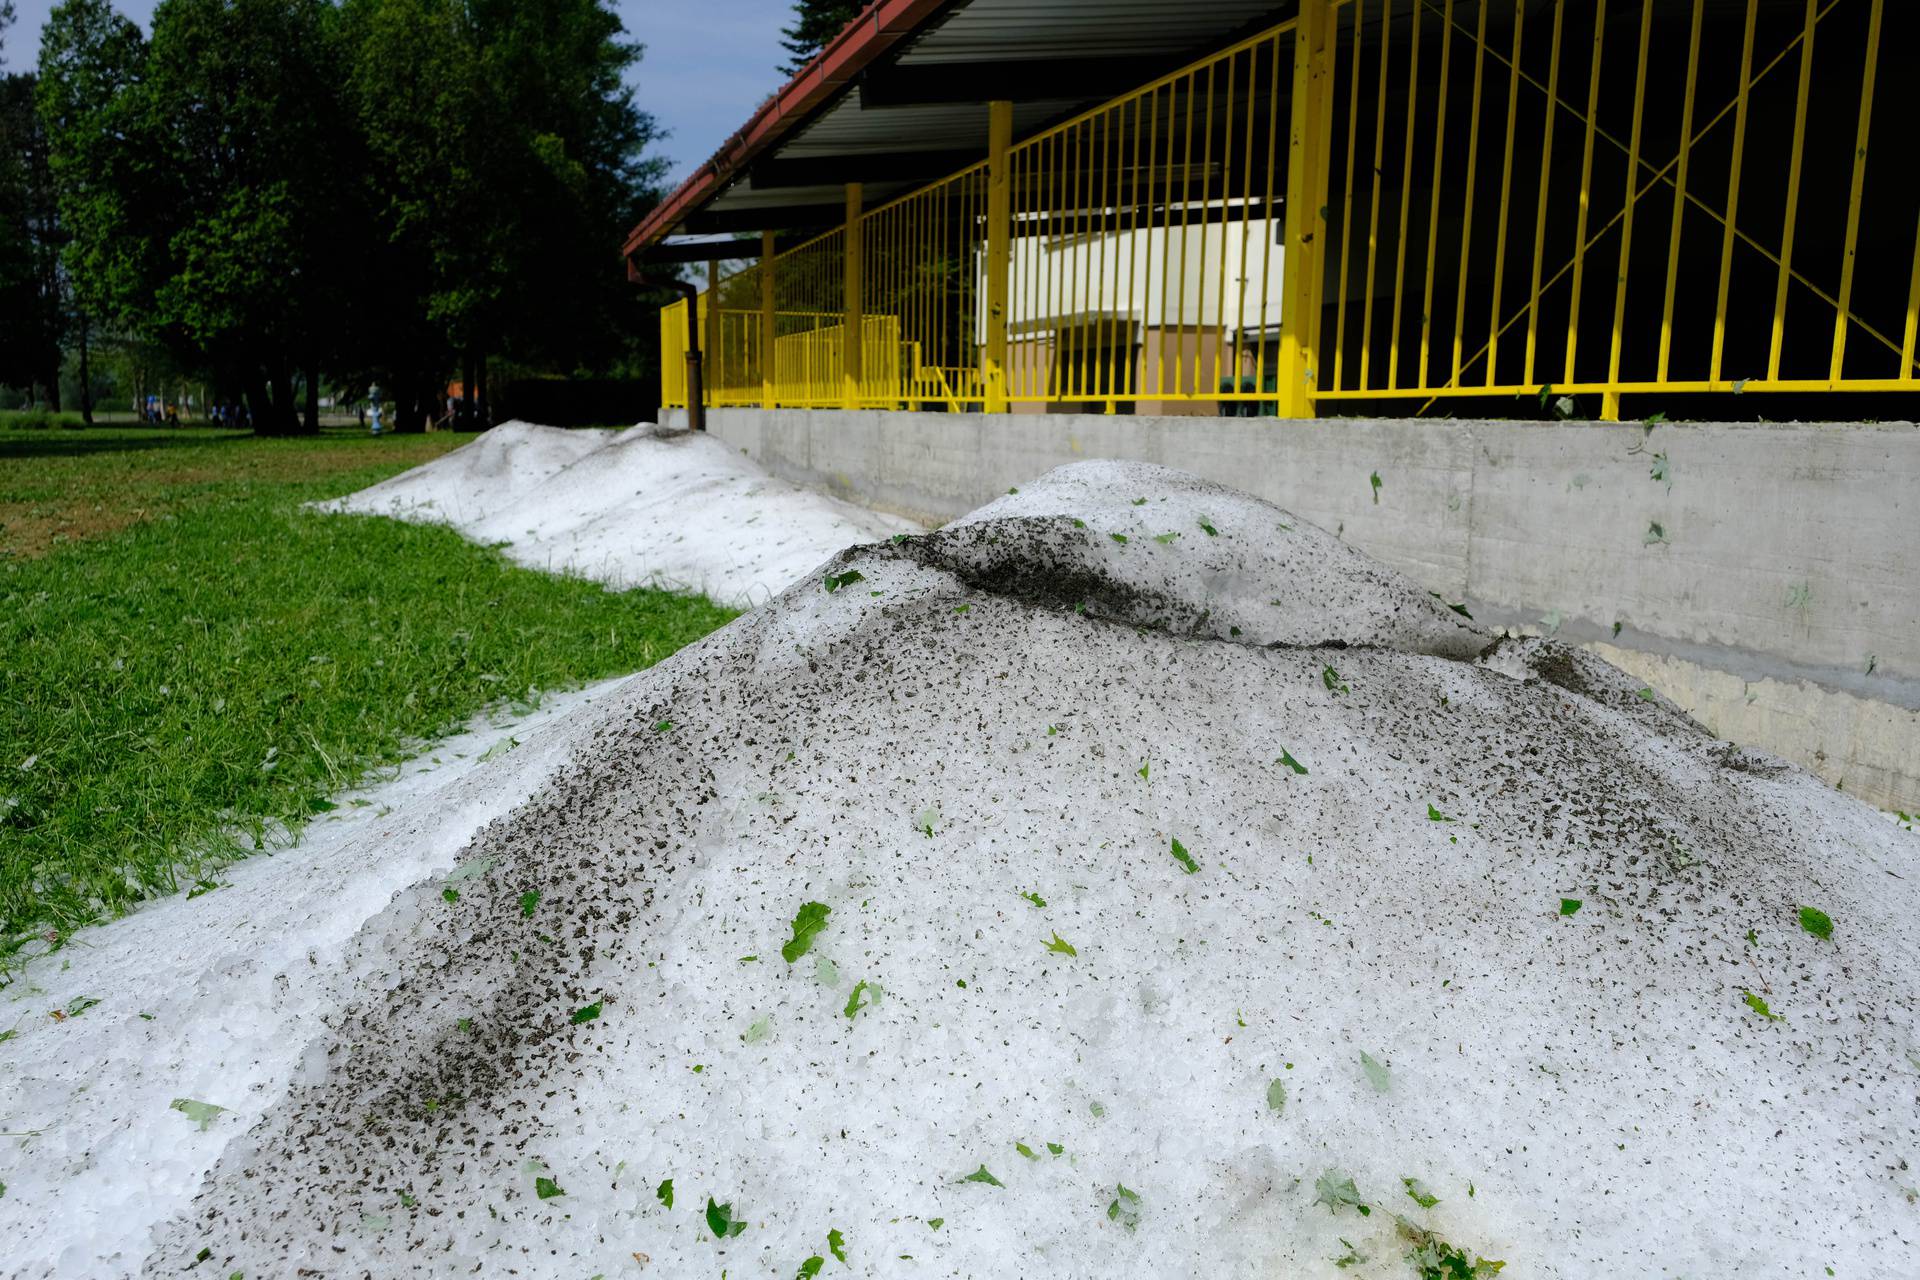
(1396, 204)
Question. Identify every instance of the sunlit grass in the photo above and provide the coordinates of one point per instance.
(198, 662)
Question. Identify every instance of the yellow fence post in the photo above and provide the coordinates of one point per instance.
(1306, 220)
(853, 322)
(710, 338)
(999, 255)
(766, 320)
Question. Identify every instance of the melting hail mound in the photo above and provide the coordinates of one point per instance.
(1129, 879)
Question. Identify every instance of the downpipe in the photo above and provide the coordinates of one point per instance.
(696, 386)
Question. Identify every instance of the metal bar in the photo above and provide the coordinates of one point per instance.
(1324, 53)
(1200, 276)
(1793, 194)
(1506, 196)
(1859, 182)
(768, 265)
(1246, 222)
(1610, 403)
(1373, 190)
(999, 230)
(1698, 202)
(1473, 159)
(1586, 187)
(1913, 309)
(1433, 204)
(853, 284)
(1406, 194)
(1540, 203)
(1747, 385)
(1306, 222)
(1346, 215)
(1733, 196)
(1266, 236)
(1680, 191)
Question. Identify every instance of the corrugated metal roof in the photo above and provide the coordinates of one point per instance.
(1031, 30)
(830, 121)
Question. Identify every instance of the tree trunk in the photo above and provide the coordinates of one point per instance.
(406, 403)
(313, 399)
(284, 421)
(255, 389)
(482, 408)
(86, 375)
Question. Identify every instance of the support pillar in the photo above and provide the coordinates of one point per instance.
(767, 255)
(716, 363)
(993, 368)
(1308, 131)
(853, 329)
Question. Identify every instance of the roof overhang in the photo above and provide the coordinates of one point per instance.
(899, 99)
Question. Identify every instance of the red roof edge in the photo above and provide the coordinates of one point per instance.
(863, 41)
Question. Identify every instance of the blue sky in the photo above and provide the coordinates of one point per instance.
(708, 64)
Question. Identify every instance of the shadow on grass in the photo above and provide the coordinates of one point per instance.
(82, 444)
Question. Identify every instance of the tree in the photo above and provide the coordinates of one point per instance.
(815, 24)
(90, 63)
(33, 293)
(506, 159)
(237, 96)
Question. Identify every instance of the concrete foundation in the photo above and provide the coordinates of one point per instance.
(1766, 577)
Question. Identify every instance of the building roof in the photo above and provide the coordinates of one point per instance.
(898, 99)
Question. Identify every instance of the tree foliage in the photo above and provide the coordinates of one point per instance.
(815, 24)
(281, 191)
(33, 294)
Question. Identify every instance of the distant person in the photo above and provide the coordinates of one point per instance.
(373, 409)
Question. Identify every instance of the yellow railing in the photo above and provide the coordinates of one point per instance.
(1396, 204)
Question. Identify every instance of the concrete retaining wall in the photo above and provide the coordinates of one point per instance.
(1766, 577)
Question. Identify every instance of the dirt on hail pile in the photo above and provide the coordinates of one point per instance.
(1129, 880)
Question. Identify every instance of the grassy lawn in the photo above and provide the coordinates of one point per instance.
(190, 660)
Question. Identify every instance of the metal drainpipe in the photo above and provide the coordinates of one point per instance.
(696, 389)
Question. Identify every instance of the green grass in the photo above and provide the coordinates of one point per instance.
(193, 663)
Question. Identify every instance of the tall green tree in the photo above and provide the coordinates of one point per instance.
(90, 63)
(33, 290)
(102, 157)
(506, 157)
(815, 24)
(238, 95)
